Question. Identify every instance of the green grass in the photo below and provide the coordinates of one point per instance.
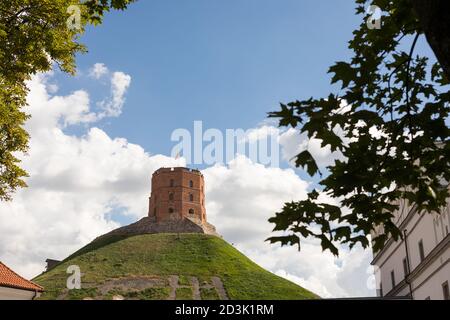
(149, 294)
(184, 294)
(162, 255)
(184, 280)
(79, 294)
(209, 294)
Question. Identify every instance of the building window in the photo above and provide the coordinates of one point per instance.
(445, 291)
(191, 197)
(393, 278)
(421, 251)
(172, 182)
(380, 291)
(405, 267)
(171, 196)
(154, 212)
(170, 210)
(191, 211)
(191, 184)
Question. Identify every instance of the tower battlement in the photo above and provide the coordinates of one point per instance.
(177, 169)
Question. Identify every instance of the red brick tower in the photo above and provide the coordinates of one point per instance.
(177, 193)
(176, 205)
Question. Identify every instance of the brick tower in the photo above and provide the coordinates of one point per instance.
(176, 205)
(177, 193)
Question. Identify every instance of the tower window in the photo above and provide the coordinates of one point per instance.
(171, 196)
(191, 197)
(170, 210)
(393, 278)
(191, 184)
(191, 211)
(172, 182)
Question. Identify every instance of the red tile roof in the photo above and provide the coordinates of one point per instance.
(9, 278)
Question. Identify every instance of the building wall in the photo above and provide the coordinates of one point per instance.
(425, 277)
(429, 283)
(172, 189)
(392, 261)
(17, 294)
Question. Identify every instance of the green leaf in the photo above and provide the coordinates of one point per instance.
(287, 115)
(328, 245)
(306, 159)
(342, 72)
(286, 240)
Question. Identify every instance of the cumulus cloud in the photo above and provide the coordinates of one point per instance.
(253, 192)
(119, 84)
(98, 70)
(77, 182)
(261, 133)
(59, 111)
(293, 142)
(112, 107)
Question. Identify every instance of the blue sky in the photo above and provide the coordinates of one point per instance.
(226, 63)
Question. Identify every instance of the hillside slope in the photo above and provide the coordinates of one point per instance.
(166, 266)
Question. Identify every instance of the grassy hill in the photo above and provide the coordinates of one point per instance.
(166, 266)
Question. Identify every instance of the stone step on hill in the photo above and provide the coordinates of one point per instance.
(166, 266)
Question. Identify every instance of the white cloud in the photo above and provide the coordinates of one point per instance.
(112, 107)
(292, 143)
(76, 181)
(119, 84)
(261, 133)
(248, 193)
(98, 70)
(59, 111)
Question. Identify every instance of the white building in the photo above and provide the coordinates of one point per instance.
(417, 266)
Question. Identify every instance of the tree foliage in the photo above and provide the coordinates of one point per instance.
(35, 35)
(388, 121)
